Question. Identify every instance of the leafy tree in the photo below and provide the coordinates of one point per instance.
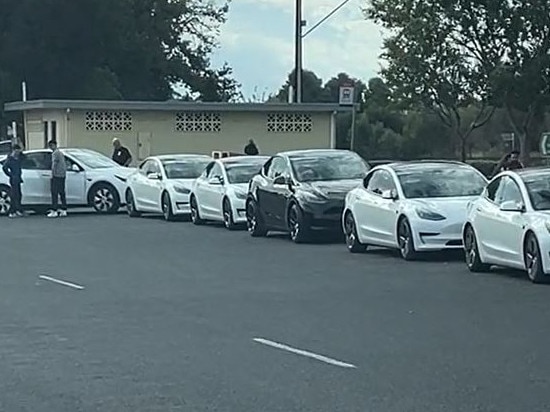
(132, 49)
(312, 88)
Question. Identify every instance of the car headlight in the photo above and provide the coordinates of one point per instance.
(240, 195)
(312, 197)
(182, 190)
(427, 214)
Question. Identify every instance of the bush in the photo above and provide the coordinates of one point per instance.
(484, 166)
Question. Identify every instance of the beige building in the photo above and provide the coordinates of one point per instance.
(150, 128)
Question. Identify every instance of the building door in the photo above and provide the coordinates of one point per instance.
(144, 145)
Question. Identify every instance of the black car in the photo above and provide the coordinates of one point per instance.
(302, 191)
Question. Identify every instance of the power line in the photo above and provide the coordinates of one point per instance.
(328, 16)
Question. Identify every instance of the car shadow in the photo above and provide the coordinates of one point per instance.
(319, 238)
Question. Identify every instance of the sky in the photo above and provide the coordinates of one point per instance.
(258, 42)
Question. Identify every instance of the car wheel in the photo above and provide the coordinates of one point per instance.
(195, 215)
(5, 200)
(131, 205)
(254, 222)
(533, 259)
(300, 232)
(405, 240)
(471, 249)
(167, 210)
(228, 220)
(350, 231)
(104, 199)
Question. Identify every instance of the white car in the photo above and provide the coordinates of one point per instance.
(92, 180)
(220, 192)
(411, 206)
(509, 224)
(162, 185)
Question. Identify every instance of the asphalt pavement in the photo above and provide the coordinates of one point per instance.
(112, 314)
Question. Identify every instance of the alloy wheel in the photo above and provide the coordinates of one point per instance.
(294, 223)
(251, 220)
(532, 257)
(470, 246)
(5, 202)
(103, 200)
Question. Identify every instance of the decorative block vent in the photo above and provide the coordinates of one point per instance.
(198, 122)
(109, 121)
(289, 123)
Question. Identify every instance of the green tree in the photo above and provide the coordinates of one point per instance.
(132, 49)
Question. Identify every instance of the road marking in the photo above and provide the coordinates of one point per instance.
(304, 353)
(61, 282)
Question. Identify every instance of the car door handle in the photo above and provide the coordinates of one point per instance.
(45, 175)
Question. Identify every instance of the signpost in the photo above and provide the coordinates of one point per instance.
(545, 144)
(347, 98)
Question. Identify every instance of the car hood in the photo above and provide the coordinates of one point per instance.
(188, 183)
(447, 206)
(240, 187)
(332, 188)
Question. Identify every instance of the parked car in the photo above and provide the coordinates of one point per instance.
(219, 194)
(509, 225)
(162, 184)
(301, 191)
(5, 148)
(411, 206)
(92, 180)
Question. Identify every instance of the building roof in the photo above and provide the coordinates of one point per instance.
(171, 106)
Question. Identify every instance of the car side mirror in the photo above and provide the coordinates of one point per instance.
(216, 181)
(512, 206)
(154, 176)
(389, 194)
(75, 168)
(281, 180)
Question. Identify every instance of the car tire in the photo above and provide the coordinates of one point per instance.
(254, 222)
(533, 259)
(471, 251)
(405, 240)
(300, 231)
(131, 205)
(350, 231)
(195, 214)
(104, 198)
(5, 200)
(227, 212)
(167, 210)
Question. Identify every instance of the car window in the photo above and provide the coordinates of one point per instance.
(208, 169)
(380, 181)
(327, 166)
(241, 172)
(267, 166)
(37, 161)
(143, 167)
(216, 171)
(187, 168)
(151, 167)
(538, 189)
(508, 192)
(492, 188)
(278, 167)
(70, 163)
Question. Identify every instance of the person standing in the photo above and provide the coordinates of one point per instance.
(121, 154)
(12, 168)
(251, 149)
(509, 161)
(59, 174)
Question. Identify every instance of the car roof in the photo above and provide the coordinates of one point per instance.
(422, 164)
(244, 159)
(180, 157)
(313, 152)
(531, 171)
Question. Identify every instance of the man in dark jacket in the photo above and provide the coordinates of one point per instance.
(121, 154)
(12, 168)
(508, 162)
(251, 149)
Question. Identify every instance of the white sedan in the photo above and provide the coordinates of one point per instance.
(509, 224)
(411, 206)
(220, 192)
(162, 185)
(92, 180)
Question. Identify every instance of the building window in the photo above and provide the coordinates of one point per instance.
(198, 122)
(109, 121)
(289, 123)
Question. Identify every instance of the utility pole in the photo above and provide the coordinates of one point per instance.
(298, 52)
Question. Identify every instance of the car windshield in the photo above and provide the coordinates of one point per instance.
(92, 160)
(184, 168)
(329, 166)
(538, 187)
(420, 182)
(241, 172)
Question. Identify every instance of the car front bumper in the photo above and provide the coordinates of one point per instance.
(437, 235)
(324, 215)
(180, 204)
(239, 210)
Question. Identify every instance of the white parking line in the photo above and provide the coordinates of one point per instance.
(61, 282)
(304, 353)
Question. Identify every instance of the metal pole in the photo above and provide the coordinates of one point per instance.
(352, 141)
(298, 50)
